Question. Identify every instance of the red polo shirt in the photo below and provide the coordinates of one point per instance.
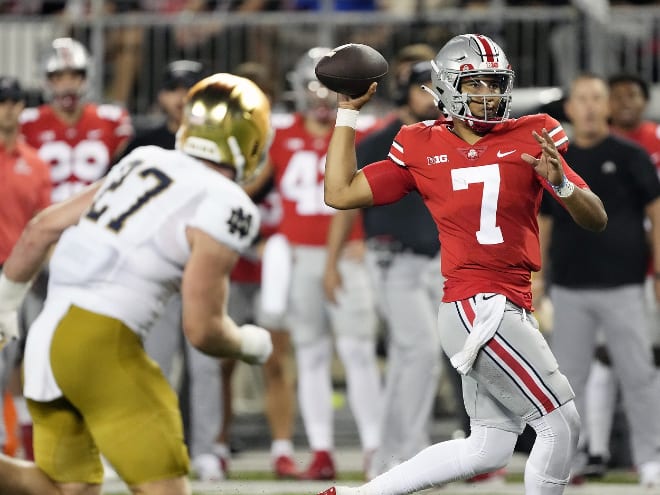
(25, 189)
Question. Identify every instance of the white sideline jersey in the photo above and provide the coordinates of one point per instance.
(126, 255)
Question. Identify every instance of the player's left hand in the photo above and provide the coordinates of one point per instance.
(8, 327)
(548, 164)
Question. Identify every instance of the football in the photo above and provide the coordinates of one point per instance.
(350, 69)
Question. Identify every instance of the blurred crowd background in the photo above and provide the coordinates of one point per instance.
(548, 42)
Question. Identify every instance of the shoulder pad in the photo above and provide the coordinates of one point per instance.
(282, 120)
(110, 112)
(28, 115)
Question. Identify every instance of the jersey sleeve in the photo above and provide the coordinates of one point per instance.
(122, 126)
(229, 216)
(388, 182)
(557, 133)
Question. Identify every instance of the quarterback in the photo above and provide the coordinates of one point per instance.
(482, 175)
(161, 221)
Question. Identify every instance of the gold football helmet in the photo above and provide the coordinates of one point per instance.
(226, 121)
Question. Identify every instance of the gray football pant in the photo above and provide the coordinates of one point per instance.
(165, 343)
(620, 315)
(406, 303)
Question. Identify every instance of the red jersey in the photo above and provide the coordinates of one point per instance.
(647, 135)
(298, 161)
(25, 190)
(484, 199)
(80, 154)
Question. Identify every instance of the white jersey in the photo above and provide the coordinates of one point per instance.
(126, 255)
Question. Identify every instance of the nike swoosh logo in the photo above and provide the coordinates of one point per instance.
(485, 298)
(502, 155)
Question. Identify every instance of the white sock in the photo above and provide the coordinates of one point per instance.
(365, 393)
(281, 448)
(601, 401)
(315, 392)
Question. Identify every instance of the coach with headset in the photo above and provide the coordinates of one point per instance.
(402, 258)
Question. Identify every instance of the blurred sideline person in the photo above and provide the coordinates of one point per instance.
(179, 76)
(253, 278)
(80, 140)
(606, 294)
(25, 189)
(297, 159)
(629, 99)
(482, 176)
(162, 221)
(199, 389)
(402, 246)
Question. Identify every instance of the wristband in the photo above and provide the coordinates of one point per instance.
(11, 293)
(256, 344)
(565, 189)
(347, 118)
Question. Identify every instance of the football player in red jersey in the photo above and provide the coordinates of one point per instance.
(482, 176)
(297, 158)
(80, 140)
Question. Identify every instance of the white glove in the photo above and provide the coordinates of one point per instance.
(256, 344)
(8, 327)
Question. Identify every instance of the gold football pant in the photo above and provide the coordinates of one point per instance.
(116, 402)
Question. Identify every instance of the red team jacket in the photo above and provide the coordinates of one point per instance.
(484, 200)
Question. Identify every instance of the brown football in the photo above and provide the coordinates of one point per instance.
(350, 69)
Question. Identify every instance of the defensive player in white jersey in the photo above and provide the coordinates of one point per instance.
(162, 221)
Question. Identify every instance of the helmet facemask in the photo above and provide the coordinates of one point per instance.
(473, 60)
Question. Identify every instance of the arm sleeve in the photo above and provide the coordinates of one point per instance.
(389, 182)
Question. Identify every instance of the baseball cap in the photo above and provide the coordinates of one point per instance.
(10, 89)
(182, 74)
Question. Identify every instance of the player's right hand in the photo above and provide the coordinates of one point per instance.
(345, 101)
(331, 283)
(8, 327)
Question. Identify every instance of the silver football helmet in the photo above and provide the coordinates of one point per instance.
(472, 56)
(66, 54)
(307, 89)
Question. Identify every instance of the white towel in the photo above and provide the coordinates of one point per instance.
(488, 315)
(275, 275)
